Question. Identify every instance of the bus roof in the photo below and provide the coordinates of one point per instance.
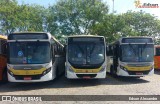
(75, 36)
(50, 35)
(3, 37)
(27, 32)
(136, 37)
(22, 33)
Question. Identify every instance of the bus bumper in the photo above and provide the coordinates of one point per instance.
(73, 75)
(46, 77)
(121, 72)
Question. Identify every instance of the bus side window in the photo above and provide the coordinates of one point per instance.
(52, 53)
(55, 48)
(64, 49)
(58, 50)
(3, 47)
(109, 50)
(157, 52)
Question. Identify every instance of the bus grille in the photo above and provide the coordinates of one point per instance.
(139, 65)
(135, 72)
(33, 77)
(83, 75)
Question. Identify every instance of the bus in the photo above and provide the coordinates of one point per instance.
(34, 57)
(3, 58)
(157, 57)
(131, 56)
(85, 57)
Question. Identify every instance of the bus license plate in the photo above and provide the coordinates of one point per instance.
(27, 78)
(139, 73)
(86, 77)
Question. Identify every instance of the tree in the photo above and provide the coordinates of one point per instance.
(8, 13)
(141, 23)
(31, 18)
(14, 17)
(76, 16)
(109, 27)
(128, 24)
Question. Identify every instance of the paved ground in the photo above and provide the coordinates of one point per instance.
(149, 85)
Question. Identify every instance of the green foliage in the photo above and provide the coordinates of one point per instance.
(141, 23)
(14, 17)
(128, 24)
(8, 11)
(109, 27)
(76, 17)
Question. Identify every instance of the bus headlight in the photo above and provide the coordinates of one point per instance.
(122, 67)
(102, 69)
(46, 71)
(11, 73)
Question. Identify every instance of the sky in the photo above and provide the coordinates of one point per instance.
(120, 6)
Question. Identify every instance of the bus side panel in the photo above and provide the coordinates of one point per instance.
(3, 63)
(157, 62)
(60, 64)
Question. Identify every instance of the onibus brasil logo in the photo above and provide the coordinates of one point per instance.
(138, 4)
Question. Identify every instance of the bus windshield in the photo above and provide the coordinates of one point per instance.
(29, 52)
(137, 53)
(86, 53)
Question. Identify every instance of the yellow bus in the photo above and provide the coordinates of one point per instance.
(34, 57)
(132, 56)
(3, 58)
(85, 57)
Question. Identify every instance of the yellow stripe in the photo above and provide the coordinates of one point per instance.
(86, 70)
(3, 37)
(138, 68)
(27, 72)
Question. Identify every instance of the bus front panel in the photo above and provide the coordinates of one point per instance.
(86, 59)
(29, 62)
